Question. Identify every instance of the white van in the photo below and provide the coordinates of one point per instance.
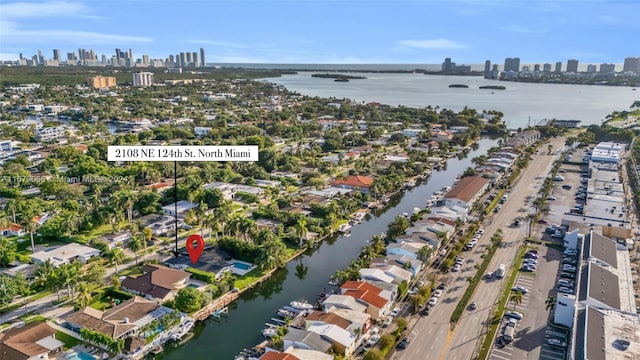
(508, 334)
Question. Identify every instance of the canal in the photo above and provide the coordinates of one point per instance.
(306, 276)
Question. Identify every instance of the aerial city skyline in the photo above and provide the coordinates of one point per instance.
(286, 32)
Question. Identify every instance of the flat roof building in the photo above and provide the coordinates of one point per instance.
(608, 152)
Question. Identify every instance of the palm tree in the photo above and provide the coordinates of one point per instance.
(69, 222)
(301, 230)
(124, 200)
(84, 295)
(116, 256)
(31, 228)
(210, 221)
(135, 244)
(416, 300)
(550, 303)
(515, 298)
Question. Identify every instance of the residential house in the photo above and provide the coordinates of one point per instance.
(28, 270)
(466, 192)
(410, 249)
(277, 355)
(343, 302)
(41, 219)
(160, 224)
(183, 206)
(344, 342)
(253, 190)
(120, 321)
(200, 131)
(12, 230)
(407, 263)
(387, 288)
(324, 318)
(360, 321)
(213, 260)
(449, 212)
(157, 282)
(33, 341)
(305, 354)
(303, 339)
(412, 132)
(228, 190)
(421, 238)
(367, 274)
(354, 182)
(523, 138)
(396, 272)
(377, 306)
(444, 136)
(65, 254)
(118, 240)
(161, 186)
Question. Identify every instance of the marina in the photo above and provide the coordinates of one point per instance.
(257, 306)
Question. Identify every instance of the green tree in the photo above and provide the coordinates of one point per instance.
(116, 256)
(515, 298)
(188, 300)
(373, 354)
(550, 303)
(84, 295)
(135, 244)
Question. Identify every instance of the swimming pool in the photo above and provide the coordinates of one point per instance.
(79, 355)
(241, 266)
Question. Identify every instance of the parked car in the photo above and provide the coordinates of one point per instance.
(513, 315)
(569, 268)
(566, 187)
(437, 293)
(565, 282)
(395, 311)
(456, 268)
(527, 268)
(542, 221)
(519, 288)
(557, 343)
(488, 275)
(473, 306)
(442, 286)
(433, 301)
(564, 289)
(551, 198)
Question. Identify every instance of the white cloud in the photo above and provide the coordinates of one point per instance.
(433, 44)
(43, 9)
(12, 34)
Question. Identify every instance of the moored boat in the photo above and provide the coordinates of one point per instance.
(301, 305)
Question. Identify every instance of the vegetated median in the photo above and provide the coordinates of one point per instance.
(504, 298)
(494, 202)
(496, 240)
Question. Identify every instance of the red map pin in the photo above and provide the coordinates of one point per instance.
(195, 246)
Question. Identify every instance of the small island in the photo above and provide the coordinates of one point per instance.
(493, 87)
(341, 80)
(459, 86)
(337, 76)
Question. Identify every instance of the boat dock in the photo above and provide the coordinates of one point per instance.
(219, 313)
(216, 306)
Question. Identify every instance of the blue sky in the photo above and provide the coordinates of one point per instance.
(316, 31)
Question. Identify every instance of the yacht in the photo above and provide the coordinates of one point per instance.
(301, 305)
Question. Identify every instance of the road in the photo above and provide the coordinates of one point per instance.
(432, 336)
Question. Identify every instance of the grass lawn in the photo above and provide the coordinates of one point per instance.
(248, 279)
(131, 271)
(97, 232)
(69, 341)
(32, 318)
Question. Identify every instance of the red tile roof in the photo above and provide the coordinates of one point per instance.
(467, 188)
(354, 181)
(360, 285)
(368, 297)
(13, 227)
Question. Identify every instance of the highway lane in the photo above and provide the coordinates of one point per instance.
(431, 335)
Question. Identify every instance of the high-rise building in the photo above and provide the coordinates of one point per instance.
(448, 66)
(591, 68)
(607, 68)
(145, 59)
(487, 69)
(188, 57)
(494, 71)
(40, 58)
(512, 64)
(104, 59)
(183, 59)
(142, 78)
(546, 67)
(632, 64)
(99, 81)
(194, 59)
(572, 66)
(56, 54)
(558, 67)
(202, 62)
(536, 68)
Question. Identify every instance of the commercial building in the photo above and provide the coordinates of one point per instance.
(512, 64)
(142, 78)
(608, 152)
(607, 68)
(558, 68)
(631, 64)
(572, 66)
(466, 192)
(98, 82)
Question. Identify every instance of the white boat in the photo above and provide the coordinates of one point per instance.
(344, 228)
(333, 282)
(182, 330)
(301, 305)
(286, 314)
(405, 215)
(270, 330)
